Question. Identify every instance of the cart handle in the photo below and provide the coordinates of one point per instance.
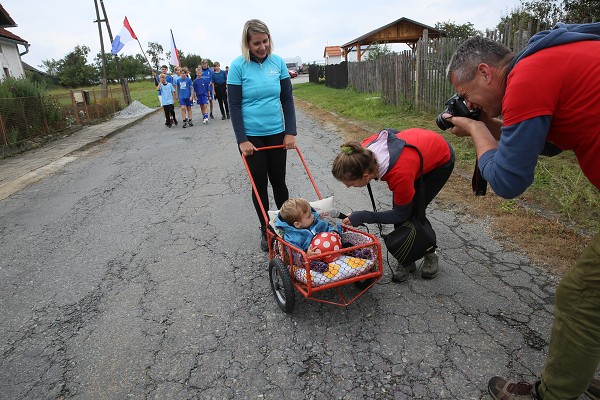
(280, 146)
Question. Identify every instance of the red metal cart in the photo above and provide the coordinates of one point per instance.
(358, 263)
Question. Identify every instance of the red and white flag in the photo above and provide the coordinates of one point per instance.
(125, 35)
(174, 53)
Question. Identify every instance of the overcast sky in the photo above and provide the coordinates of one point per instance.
(212, 29)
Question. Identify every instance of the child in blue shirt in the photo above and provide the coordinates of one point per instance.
(201, 93)
(184, 86)
(166, 91)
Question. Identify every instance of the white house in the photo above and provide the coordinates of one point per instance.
(10, 58)
(332, 55)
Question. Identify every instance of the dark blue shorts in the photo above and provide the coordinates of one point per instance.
(185, 102)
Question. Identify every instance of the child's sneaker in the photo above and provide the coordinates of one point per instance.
(190, 122)
(205, 121)
(184, 124)
(211, 116)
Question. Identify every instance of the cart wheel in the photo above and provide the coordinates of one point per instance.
(281, 284)
(362, 285)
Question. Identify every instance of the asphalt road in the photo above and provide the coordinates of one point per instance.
(135, 272)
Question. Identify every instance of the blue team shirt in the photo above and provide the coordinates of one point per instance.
(207, 75)
(261, 107)
(200, 87)
(219, 77)
(166, 93)
(185, 88)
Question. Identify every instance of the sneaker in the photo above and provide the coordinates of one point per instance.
(264, 244)
(593, 390)
(211, 116)
(228, 116)
(169, 125)
(429, 270)
(222, 117)
(400, 272)
(190, 122)
(175, 122)
(184, 124)
(205, 121)
(504, 389)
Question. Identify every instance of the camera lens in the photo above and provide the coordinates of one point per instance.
(442, 122)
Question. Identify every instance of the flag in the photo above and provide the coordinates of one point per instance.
(125, 35)
(174, 53)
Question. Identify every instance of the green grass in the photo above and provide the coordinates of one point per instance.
(142, 91)
(559, 185)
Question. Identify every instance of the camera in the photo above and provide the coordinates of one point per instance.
(457, 107)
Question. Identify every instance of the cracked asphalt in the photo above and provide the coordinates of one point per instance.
(135, 272)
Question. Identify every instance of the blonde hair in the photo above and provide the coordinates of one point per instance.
(162, 76)
(250, 27)
(353, 162)
(293, 209)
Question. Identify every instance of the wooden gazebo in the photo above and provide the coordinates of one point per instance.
(403, 30)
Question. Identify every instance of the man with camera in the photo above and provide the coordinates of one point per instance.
(548, 97)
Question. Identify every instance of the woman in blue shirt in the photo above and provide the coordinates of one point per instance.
(262, 114)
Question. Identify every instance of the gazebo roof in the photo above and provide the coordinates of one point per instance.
(402, 30)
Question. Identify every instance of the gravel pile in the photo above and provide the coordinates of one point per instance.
(135, 109)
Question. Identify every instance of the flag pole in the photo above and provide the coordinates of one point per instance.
(150, 65)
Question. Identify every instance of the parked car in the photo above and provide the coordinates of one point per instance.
(293, 73)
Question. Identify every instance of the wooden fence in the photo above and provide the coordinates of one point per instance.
(417, 80)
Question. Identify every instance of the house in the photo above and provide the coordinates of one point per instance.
(10, 58)
(332, 55)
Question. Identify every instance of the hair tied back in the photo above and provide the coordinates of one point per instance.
(347, 150)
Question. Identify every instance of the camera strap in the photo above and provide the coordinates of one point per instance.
(478, 183)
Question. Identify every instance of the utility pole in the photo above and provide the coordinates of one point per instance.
(103, 80)
(124, 83)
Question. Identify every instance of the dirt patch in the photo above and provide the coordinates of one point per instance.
(541, 237)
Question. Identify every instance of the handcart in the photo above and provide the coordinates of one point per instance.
(358, 262)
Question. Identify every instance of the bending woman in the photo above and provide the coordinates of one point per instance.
(384, 157)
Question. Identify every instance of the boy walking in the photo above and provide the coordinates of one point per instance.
(184, 86)
(219, 78)
(201, 93)
(165, 92)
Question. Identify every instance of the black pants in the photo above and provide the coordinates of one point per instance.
(268, 166)
(221, 96)
(169, 112)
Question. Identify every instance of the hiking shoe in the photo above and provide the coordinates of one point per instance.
(211, 116)
(593, 390)
(504, 389)
(223, 117)
(400, 272)
(429, 270)
(190, 122)
(264, 244)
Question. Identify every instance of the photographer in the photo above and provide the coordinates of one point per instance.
(549, 99)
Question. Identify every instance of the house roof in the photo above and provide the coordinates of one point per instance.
(332, 51)
(402, 30)
(9, 35)
(5, 19)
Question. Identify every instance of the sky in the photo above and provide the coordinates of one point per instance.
(213, 30)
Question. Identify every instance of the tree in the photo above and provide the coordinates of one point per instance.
(581, 10)
(74, 71)
(51, 66)
(155, 52)
(377, 50)
(453, 30)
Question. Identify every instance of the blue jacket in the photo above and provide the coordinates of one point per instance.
(301, 238)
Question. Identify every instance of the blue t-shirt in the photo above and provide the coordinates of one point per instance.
(166, 93)
(185, 87)
(261, 106)
(200, 87)
(207, 74)
(219, 77)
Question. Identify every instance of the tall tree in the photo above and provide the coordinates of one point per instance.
(74, 71)
(378, 50)
(582, 10)
(155, 52)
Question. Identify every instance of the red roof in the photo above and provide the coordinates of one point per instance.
(332, 51)
(9, 35)
(5, 18)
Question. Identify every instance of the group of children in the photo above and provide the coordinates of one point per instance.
(187, 91)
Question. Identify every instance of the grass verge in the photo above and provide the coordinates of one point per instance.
(551, 222)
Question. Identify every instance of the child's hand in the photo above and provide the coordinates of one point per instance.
(346, 221)
(310, 251)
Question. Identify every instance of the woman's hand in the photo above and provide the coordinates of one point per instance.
(247, 148)
(346, 221)
(289, 142)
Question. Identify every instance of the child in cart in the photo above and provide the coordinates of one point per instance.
(300, 223)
